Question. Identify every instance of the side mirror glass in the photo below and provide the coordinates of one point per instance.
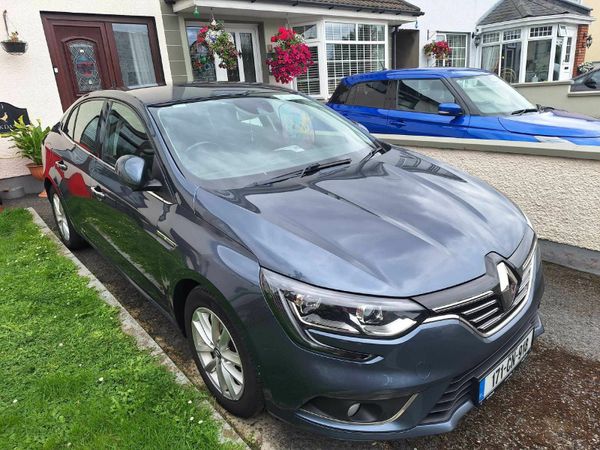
(450, 109)
(131, 170)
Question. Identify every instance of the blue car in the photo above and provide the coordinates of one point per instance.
(459, 103)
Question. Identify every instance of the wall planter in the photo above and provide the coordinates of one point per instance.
(14, 47)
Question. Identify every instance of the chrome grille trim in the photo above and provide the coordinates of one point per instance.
(495, 323)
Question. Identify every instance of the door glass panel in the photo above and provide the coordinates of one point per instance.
(203, 65)
(135, 56)
(422, 95)
(538, 60)
(511, 61)
(87, 124)
(247, 50)
(557, 59)
(125, 135)
(371, 94)
(234, 74)
(85, 65)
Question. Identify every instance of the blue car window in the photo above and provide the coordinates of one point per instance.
(371, 94)
(422, 95)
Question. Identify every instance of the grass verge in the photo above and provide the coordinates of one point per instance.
(69, 376)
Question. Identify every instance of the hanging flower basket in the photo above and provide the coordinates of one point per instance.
(291, 56)
(437, 50)
(219, 42)
(14, 45)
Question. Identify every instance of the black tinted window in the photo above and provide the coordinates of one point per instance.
(422, 95)
(69, 124)
(340, 96)
(125, 135)
(371, 94)
(87, 123)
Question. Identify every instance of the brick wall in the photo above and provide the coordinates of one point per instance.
(580, 48)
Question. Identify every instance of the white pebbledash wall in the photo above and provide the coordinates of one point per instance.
(27, 81)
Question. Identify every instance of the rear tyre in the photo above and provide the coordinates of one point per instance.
(66, 232)
(221, 355)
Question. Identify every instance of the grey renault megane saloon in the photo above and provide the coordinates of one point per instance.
(354, 288)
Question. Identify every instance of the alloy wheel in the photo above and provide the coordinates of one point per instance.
(218, 353)
(61, 218)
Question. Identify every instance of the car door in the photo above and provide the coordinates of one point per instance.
(366, 103)
(74, 164)
(132, 227)
(415, 109)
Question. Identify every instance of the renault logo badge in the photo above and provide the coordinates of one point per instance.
(508, 286)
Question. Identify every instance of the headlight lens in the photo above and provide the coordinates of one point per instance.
(311, 307)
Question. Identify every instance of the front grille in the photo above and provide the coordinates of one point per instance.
(463, 387)
(485, 311)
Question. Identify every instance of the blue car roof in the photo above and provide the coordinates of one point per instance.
(438, 72)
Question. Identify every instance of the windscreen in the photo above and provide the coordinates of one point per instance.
(241, 140)
(491, 95)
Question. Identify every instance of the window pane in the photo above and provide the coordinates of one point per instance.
(491, 95)
(490, 59)
(458, 45)
(511, 62)
(538, 60)
(125, 135)
(248, 57)
(491, 37)
(86, 125)
(557, 59)
(345, 59)
(340, 31)
(511, 35)
(85, 66)
(203, 66)
(371, 94)
(422, 95)
(69, 127)
(310, 83)
(135, 57)
(540, 31)
(307, 31)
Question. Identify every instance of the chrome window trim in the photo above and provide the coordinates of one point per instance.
(507, 319)
(367, 424)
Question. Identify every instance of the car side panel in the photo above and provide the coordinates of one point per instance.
(488, 127)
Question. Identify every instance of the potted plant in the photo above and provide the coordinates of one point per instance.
(219, 42)
(291, 56)
(28, 140)
(14, 45)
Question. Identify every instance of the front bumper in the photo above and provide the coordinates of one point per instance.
(439, 361)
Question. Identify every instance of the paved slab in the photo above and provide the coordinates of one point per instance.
(552, 401)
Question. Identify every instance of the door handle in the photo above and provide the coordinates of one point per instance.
(60, 165)
(397, 122)
(97, 192)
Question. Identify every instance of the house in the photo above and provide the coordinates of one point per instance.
(523, 41)
(593, 53)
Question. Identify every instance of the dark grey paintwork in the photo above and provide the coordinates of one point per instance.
(399, 225)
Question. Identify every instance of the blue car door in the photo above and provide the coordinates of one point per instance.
(415, 109)
(367, 103)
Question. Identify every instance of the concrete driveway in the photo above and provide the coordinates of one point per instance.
(552, 400)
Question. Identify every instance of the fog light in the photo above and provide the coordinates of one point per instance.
(353, 409)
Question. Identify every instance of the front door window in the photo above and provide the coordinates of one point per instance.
(85, 65)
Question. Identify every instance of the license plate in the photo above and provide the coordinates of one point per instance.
(501, 372)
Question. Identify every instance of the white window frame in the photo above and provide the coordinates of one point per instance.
(443, 36)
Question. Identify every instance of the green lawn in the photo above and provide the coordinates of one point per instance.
(69, 377)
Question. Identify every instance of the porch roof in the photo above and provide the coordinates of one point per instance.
(397, 11)
(508, 10)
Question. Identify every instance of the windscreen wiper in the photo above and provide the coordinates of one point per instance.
(518, 112)
(308, 170)
(380, 147)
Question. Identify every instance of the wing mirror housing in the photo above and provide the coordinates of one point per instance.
(132, 171)
(591, 83)
(450, 109)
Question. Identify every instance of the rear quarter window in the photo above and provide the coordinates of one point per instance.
(372, 94)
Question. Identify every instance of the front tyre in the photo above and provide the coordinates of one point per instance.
(221, 356)
(66, 232)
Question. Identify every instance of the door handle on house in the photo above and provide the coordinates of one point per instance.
(60, 165)
(97, 192)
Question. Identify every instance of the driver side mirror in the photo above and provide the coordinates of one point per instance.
(132, 171)
(450, 109)
(591, 83)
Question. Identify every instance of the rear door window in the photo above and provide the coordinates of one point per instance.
(69, 126)
(372, 94)
(422, 95)
(87, 125)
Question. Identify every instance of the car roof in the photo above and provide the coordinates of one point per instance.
(186, 92)
(438, 72)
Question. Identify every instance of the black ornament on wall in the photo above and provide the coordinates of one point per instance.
(9, 114)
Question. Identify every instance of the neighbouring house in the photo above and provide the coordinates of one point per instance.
(593, 53)
(523, 41)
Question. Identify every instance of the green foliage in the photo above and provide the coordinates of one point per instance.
(28, 139)
(70, 377)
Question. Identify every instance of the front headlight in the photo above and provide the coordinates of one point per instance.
(309, 307)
